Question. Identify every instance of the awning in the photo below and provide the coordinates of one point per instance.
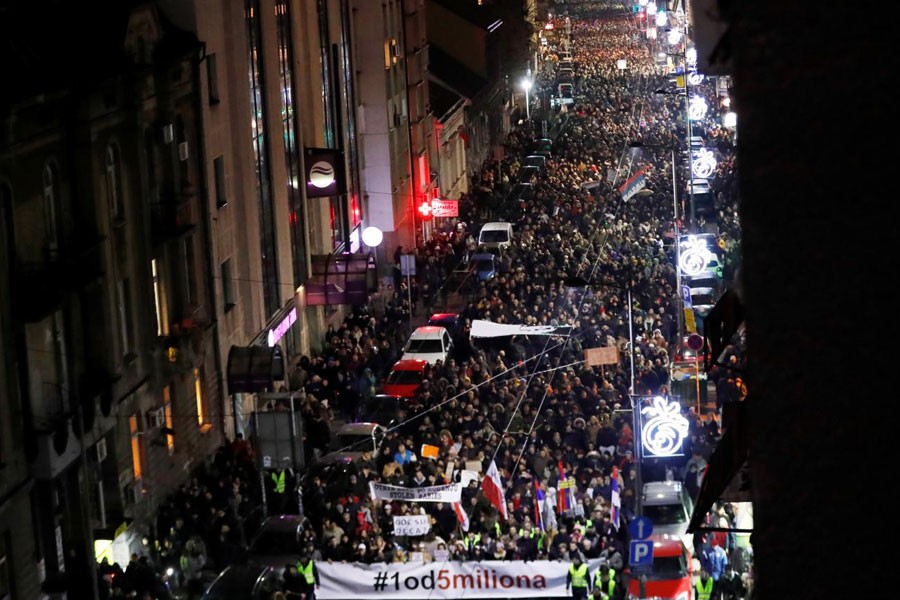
(727, 473)
(254, 368)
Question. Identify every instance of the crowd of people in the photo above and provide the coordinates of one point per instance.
(531, 404)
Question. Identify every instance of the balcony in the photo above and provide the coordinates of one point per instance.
(171, 217)
(54, 437)
(183, 348)
(39, 288)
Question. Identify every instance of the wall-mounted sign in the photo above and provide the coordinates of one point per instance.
(282, 327)
(444, 208)
(324, 172)
(663, 428)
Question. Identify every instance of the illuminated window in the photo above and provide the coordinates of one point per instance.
(136, 450)
(159, 297)
(202, 419)
(391, 52)
(167, 407)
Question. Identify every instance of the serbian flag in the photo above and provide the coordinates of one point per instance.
(616, 500)
(564, 499)
(538, 505)
(493, 489)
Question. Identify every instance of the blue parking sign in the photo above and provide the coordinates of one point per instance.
(640, 528)
(640, 553)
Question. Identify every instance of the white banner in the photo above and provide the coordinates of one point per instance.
(411, 524)
(450, 579)
(482, 329)
(436, 493)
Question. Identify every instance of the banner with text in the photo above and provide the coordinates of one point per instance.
(451, 579)
(436, 493)
(411, 524)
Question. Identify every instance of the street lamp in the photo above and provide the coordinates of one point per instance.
(679, 316)
(526, 85)
(690, 134)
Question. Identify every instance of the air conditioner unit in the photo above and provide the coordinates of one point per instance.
(168, 133)
(183, 151)
(156, 418)
(101, 450)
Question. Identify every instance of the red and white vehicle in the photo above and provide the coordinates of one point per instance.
(670, 577)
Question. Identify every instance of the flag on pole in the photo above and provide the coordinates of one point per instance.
(538, 505)
(493, 489)
(461, 516)
(616, 501)
(565, 498)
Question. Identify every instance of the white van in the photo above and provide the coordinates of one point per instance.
(496, 235)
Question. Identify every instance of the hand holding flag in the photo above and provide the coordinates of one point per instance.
(493, 489)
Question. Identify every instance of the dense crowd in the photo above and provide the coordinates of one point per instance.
(529, 404)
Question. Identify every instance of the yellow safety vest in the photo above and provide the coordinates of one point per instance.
(307, 572)
(598, 582)
(473, 541)
(579, 576)
(278, 478)
(704, 590)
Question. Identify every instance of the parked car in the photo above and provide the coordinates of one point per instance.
(485, 265)
(668, 505)
(428, 343)
(536, 160)
(246, 582)
(528, 174)
(497, 234)
(278, 541)
(405, 378)
(669, 576)
(352, 439)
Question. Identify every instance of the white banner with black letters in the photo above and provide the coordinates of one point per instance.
(411, 524)
(448, 579)
(436, 493)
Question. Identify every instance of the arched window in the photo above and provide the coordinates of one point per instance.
(114, 184)
(51, 209)
(7, 230)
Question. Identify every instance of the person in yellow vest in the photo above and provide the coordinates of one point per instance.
(577, 578)
(282, 486)
(703, 588)
(605, 584)
(309, 576)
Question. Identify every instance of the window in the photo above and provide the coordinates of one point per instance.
(190, 271)
(259, 116)
(51, 221)
(227, 286)
(159, 297)
(391, 53)
(59, 350)
(137, 459)
(219, 171)
(289, 127)
(114, 185)
(200, 399)
(123, 302)
(150, 150)
(167, 408)
(212, 78)
(6, 570)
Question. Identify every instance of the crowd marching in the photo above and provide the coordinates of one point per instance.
(559, 432)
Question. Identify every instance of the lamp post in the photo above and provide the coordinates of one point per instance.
(526, 85)
(676, 233)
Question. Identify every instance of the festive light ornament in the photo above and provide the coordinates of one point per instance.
(704, 163)
(664, 432)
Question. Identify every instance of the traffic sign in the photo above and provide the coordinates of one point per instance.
(640, 528)
(695, 341)
(686, 296)
(640, 553)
